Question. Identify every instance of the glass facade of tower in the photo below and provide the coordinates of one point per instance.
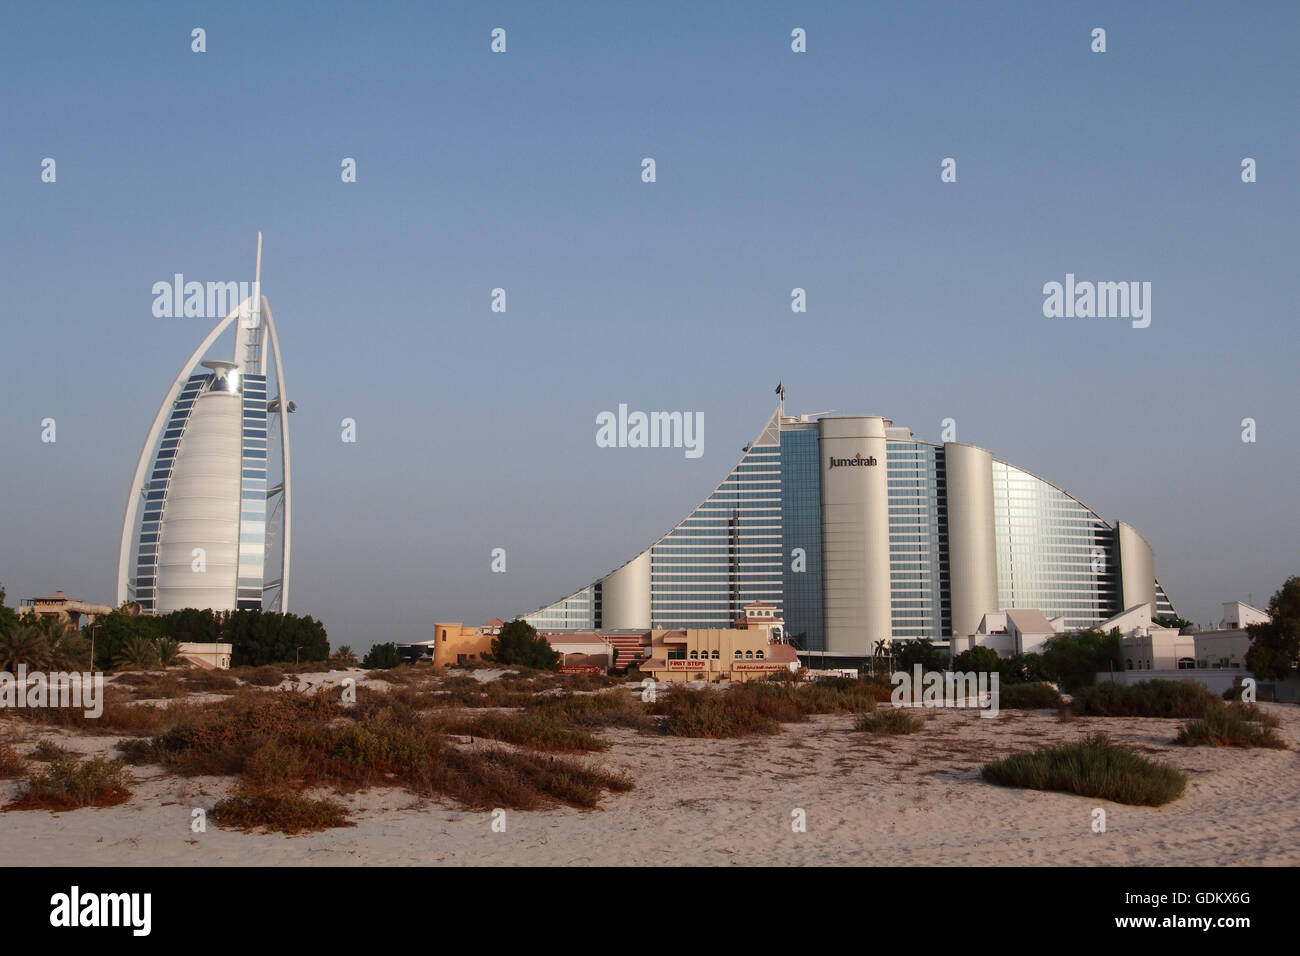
(577, 612)
(146, 568)
(918, 541)
(801, 524)
(726, 553)
(252, 514)
(1054, 553)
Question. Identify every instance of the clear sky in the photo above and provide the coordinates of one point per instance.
(775, 170)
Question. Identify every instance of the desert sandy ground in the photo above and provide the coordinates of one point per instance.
(897, 801)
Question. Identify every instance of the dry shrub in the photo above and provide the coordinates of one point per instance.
(277, 809)
(67, 784)
(541, 731)
(688, 712)
(267, 675)
(156, 686)
(120, 715)
(12, 763)
(212, 681)
(615, 709)
(48, 750)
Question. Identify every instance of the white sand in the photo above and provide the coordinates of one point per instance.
(868, 800)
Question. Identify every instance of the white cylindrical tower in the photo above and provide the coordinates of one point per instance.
(198, 553)
(855, 533)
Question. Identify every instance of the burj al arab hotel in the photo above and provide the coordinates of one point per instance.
(207, 520)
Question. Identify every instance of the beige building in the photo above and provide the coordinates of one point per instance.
(207, 656)
(64, 608)
(747, 651)
(457, 644)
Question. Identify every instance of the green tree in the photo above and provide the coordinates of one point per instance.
(1074, 659)
(1275, 646)
(382, 657)
(1022, 669)
(519, 644)
(8, 618)
(1172, 620)
(920, 651)
(977, 659)
(113, 632)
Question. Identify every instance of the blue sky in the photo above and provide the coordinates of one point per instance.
(521, 170)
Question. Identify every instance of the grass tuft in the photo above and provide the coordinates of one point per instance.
(892, 721)
(1237, 725)
(1093, 767)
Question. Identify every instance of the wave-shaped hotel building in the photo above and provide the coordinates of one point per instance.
(207, 521)
(858, 532)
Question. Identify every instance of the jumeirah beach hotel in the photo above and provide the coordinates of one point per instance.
(207, 521)
(858, 532)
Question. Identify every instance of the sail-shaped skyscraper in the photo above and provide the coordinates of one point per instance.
(208, 514)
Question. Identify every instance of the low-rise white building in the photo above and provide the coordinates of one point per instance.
(1013, 631)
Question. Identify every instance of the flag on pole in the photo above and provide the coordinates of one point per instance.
(780, 390)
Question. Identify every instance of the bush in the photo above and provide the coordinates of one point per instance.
(827, 695)
(541, 731)
(1028, 697)
(1152, 698)
(1094, 767)
(890, 721)
(264, 676)
(722, 713)
(210, 681)
(382, 657)
(67, 784)
(1232, 726)
(616, 709)
(279, 809)
(12, 763)
(48, 750)
(286, 741)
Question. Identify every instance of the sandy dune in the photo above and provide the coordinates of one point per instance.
(892, 801)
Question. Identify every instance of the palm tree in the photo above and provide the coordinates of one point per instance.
(137, 652)
(65, 647)
(23, 644)
(169, 651)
